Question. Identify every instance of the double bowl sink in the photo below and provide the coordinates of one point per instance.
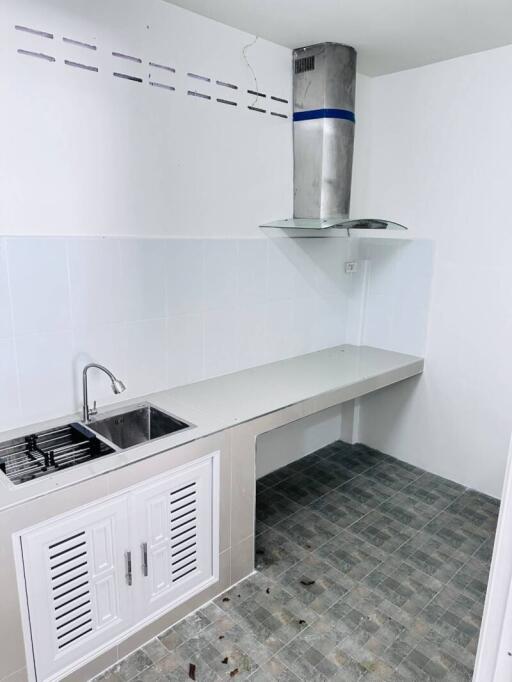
(28, 457)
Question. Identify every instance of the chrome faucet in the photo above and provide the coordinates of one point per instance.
(117, 387)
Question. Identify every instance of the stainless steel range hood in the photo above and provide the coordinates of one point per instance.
(324, 80)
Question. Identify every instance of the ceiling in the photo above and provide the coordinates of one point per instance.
(389, 35)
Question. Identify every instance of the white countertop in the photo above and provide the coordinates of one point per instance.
(216, 404)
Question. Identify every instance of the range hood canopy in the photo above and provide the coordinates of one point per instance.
(324, 80)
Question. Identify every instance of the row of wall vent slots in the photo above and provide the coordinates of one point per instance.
(261, 102)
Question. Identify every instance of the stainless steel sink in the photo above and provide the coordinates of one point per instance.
(136, 425)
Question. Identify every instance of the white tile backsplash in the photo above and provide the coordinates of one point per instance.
(98, 290)
(143, 264)
(38, 274)
(219, 342)
(46, 374)
(251, 267)
(281, 270)
(10, 412)
(145, 345)
(282, 338)
(251, 335)
(166, 312)
(184, 349)
(220, 273)
(6, 328)
(185, 276)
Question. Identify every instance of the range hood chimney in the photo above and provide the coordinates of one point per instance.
(324, 84)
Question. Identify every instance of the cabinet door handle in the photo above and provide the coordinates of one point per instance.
(144, 550)
(128, 564)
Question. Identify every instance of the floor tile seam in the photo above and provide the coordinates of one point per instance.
(424, 640)
(470, 558)
(393, 492)
(287, 667)
(295, 473)
(139, 672)
(360, 537)
(282, 534)
(245, 630)
(473, 555)
(394, 551)
(350, 480)
(420, 529)
(316, 513)
(287, 644)
(278, 586)
(355, 629)
(444, 583)
(287, 516)
(341, 531)
(462, 567)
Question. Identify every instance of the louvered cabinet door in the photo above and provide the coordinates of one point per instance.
(77, 592)
(177, 526)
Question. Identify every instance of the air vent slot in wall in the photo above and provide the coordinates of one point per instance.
(123, 64)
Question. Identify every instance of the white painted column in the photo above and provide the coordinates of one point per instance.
(494, 655)
(348, 421)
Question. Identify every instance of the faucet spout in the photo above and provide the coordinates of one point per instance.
(117, 387)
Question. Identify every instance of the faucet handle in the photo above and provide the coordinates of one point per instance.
(93, 410)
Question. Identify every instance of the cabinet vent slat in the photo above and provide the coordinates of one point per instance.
(78, 635)
(74, 571)
(189, 535)
(66, 551)
(183, 558)
(65, 561)
(83, 593)
(183, 497)
(76, 620)
(180, 490)
(67, 540)
(179, 577)
(181, 514)
(184, 531)
(184, 512)
(185, 505)
(184, 548)
(76, 607)
(70, 589)
(181, 526)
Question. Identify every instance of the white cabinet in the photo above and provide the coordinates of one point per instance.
(100, 573)
(75, 584)
(172, 518)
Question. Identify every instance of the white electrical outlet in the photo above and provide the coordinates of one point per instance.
(350, 266)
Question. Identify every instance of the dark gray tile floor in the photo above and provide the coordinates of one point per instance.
(368, 569)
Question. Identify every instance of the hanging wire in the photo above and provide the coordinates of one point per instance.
(244, 55)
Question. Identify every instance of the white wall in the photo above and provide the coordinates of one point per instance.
(439, 162)
(87, 153)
